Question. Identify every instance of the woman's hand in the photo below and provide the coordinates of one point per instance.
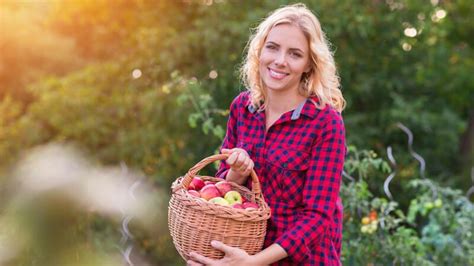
(240, 164)
(233, 256)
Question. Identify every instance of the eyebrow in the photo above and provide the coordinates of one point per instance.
(294, 49)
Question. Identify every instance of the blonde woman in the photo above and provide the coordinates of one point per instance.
(288, 126)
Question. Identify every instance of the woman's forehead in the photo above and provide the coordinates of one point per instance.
(288, 35)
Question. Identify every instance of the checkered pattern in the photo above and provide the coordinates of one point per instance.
(299, 162)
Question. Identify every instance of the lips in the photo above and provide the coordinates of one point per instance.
(276, 74)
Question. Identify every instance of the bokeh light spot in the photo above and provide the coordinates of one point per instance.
(136, 73)
(410, 32)
(406, 47)
(441, 13)
(213, 74)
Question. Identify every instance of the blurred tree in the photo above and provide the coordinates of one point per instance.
(399, 61)
(29, 50)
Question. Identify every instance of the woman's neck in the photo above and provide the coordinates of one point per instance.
(282, 102)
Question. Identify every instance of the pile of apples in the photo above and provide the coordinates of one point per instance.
(219, 193)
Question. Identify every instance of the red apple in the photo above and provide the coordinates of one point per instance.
(237, 206)
(209, 191)
(233, 197)
(194, 193)
(223, 187)
(250, 205)
(196, 184)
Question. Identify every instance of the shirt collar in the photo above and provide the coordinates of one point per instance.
(251, 108)
(306, 108)
(297, 112)
(309, 108)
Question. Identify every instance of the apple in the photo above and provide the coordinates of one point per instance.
(237, 206)
(223, 187)
(438, 203)
(209, 191)
(207, 182)
(250, 205)
(196, 184)
(194, 193)
(233, 197)
(220, 201)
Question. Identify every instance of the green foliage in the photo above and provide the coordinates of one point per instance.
(436, 229)
(116, 117)
(205, 111)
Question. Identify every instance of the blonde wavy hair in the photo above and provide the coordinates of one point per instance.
(321, 80)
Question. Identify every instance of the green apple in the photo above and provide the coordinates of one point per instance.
(364, 229)
(438, 203)
(233, 197)
(220, 201)
(429, 205)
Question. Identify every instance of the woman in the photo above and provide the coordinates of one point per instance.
(288, 126)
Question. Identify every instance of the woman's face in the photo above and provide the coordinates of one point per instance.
(284, 58)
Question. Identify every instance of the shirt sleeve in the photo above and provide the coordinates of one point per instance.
(321, 190)
(230, 139)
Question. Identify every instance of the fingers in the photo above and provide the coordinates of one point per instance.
(232, 158)
(239, 161)
(245, 164)
(237, 158)
(193, 263)
(222, 247)
(226, 151)
(249, 168)
(199, 258)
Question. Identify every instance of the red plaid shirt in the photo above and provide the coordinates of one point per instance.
(299, 162)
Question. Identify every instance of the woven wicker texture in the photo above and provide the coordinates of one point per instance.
(194, 223)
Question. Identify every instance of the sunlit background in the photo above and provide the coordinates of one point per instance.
(104, 103)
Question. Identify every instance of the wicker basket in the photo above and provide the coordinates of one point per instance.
(194, 222)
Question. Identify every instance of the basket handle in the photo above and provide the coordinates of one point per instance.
(204, 162)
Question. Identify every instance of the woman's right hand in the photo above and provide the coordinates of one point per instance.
(240, 164)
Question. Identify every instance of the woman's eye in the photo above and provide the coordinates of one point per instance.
(271, 47)
(297, 55)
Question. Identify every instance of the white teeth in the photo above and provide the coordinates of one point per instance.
(277, 75)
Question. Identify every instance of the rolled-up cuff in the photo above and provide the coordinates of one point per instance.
(294, 247)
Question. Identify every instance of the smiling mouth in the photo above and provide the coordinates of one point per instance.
(276, 75)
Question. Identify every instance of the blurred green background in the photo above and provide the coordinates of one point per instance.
(148, 83)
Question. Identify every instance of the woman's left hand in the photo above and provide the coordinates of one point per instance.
(233, 256)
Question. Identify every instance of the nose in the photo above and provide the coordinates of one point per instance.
(280, 59)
